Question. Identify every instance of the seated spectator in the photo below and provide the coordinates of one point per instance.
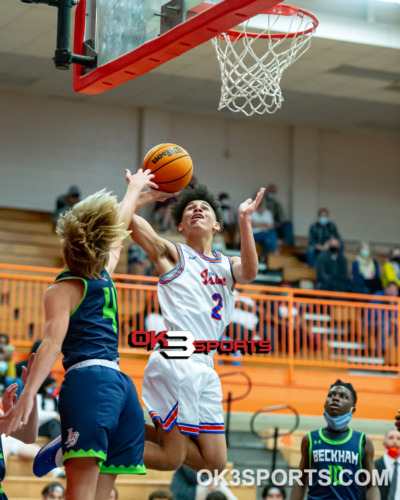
(48, 416)
(138, 262)
(321, 232)
(272, 492)
(53, 491)
(8, 350)
(332, 274)
(230, 223)
(21, 364)
(161, 495)
(391, 269)
(283, 227)
(264, 231)
(366, 272)
(66, 201)
(114, 494)
(7, 367)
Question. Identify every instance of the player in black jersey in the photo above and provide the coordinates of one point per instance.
(333, 458)
(101, 417)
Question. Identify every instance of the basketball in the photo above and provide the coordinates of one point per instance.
(171, 165)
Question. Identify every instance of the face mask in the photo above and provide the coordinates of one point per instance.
(395, 259)
(271, 196)
(323, 220)
(393, 451)
(365, 252)
(340, 422)
(3, 366)
(334, 250)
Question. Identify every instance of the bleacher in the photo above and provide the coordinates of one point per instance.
(28, 238)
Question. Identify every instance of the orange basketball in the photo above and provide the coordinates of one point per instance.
(171, 165)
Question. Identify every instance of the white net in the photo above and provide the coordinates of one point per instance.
(252, 64)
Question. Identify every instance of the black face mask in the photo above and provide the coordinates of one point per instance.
(334, 250)
(395, 259)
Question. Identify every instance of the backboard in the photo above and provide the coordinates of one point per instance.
(132, 37)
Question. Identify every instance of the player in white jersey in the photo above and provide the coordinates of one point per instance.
(195, 293)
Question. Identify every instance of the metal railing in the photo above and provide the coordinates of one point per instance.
(306, 328)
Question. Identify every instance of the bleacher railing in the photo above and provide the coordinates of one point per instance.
(305, 327)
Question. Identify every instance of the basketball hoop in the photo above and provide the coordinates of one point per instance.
(252, 64)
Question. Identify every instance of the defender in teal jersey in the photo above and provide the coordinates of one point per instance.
(337, 461)
(101, 418)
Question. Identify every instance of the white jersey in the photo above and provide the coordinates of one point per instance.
(197, 294)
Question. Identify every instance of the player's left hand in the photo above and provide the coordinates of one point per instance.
(249, 206)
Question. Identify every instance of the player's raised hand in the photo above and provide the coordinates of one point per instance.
(142, 179)
(10, 398)
(249, 206)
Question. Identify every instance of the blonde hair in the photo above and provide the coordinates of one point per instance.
(87, 232)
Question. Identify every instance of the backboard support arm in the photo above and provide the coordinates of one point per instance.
(63, 56)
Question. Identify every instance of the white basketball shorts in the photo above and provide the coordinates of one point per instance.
(186, 392)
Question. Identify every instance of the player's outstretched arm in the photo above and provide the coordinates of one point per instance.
(161, 251)
(57, 307)
(368, 464)
(299, 488)
(28, 433)
(136, 183)
(245, 267)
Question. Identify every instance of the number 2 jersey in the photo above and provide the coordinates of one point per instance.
(93, 325)
(197, 294)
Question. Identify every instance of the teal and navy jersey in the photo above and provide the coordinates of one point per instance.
(93, 325)
(2, 471)
(329, 458)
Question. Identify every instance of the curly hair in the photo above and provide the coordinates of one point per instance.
(348, 386)
(200, 192)
(87, 232)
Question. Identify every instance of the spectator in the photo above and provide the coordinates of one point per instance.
(332, 271)
(390, 461)
(230, 222)
(161, 495)
(48, 416)
(53, 491)
(264, 231)
(391, 269)
(272, 492)
(66, 201)
(114, 494)
(5, 369)
(8, 350)
(321, 232)
(138, 262)
(283, 227)
(366, 272)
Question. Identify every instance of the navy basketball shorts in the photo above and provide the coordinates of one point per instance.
(101, 417)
